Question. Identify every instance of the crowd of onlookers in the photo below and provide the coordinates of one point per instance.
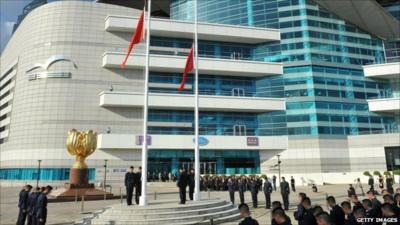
(32, 205)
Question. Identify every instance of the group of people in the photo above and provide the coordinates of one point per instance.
(32, 205)
(381, 183)
(369, 211)
(133, 182)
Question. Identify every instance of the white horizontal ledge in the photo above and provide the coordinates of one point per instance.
(213, 66)
(176, 142)
(186, 102)
(388, 105)
(383, 71)
(185, 29)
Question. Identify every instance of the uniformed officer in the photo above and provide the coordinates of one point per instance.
(389, 184)
(191, 184)
(371, 183)
(241, 189)
(129, 184)
(41, 206)
(182, 183)
(285, 191)
(231, 188)
(293, 184)
(23, 204)
(138, 184)
(280, 218)
(32, 198)
(254, 191)
(267, 192)
(274, 182)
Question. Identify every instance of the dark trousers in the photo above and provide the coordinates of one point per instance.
(285, 198)
(21, 217)
(274, 185)
(191, 191)
(254, 198)
(129, 194)
(182, 195)
(31, 220)
(267, 200)
(293, 188)
(232, 196)
(241, 196)
(138, 193)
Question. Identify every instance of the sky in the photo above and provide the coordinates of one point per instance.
(9, 12)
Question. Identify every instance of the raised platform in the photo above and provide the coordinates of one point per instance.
(169, 212)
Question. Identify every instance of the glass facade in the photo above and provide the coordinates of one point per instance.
(324, 85)
(211, 161)
(392, 47)
(46, 174)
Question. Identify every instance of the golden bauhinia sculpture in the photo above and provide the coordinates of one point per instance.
(81, 145)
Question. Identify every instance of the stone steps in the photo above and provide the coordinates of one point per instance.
(169, 212)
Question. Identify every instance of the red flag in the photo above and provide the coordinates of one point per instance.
(137, 37)
(188, 68)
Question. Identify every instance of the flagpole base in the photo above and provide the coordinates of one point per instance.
(197, 196)
(143, 200)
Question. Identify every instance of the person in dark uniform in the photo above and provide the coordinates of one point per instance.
(41, 206)
(182, 183)
(285, 191)
(245, 213)
(138, 184)
(32, 198)
(349, 217)
(324, 219)
(267, 192)
(351, 191)
(336, 213)
(231, 189)
(129, 184)
(389, 184)
(293, 184)
(308, 217)
(191, 184)
(274, 182)
(241, 189)
(376, 204)
(389, 213)
(254, 191)
(371, 183)
(23, 204)
(280, 218)
(299, 213)
(371, 212)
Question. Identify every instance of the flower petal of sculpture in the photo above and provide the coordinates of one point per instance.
(81, 145)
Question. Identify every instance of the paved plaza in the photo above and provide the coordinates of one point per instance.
(68, 212)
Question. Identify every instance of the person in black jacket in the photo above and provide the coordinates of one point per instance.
(371, 183)
(280, 218)
(241, 189)
(285, 191)
(349, 217)
(308, 217)
(293, 184)
(182, 184)
(267, 192)
(41, 206)
(324, 219)
(245, 213)
(371, 212)
(376, 204)
(254, 191)
(32, 198)
(389, 213)
(336, 213)
(23, 204)
(299, 213)
(231, 189)
(351, 191)
(138, 184)
(129, 184)
(191, 183)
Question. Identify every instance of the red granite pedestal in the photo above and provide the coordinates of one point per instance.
(79, 186)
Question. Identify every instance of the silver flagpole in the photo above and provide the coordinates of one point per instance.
(197, 196)
(143, 197)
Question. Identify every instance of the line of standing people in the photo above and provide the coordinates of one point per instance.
(133, 182)
(184, 180)
(32, 205)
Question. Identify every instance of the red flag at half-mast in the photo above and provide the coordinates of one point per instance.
(188, 68)
(137, 37)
